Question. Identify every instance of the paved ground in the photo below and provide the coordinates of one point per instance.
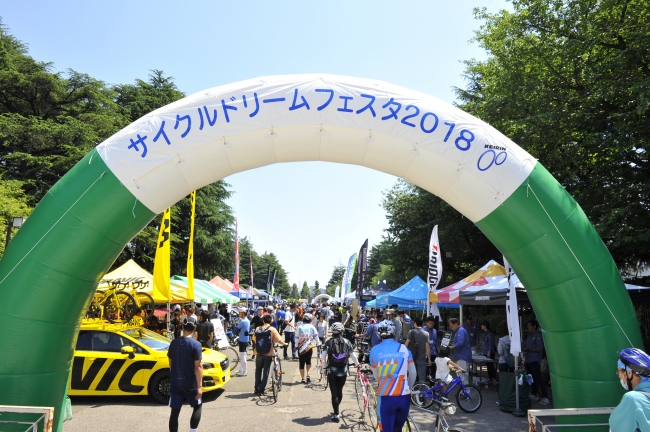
(298, 406)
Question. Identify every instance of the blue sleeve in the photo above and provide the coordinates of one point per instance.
(460, 339)
(539, 343)
(198, 355)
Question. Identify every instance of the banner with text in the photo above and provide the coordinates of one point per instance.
(435, 270)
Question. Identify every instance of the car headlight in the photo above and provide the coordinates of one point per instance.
(207, 365)
(450, 410)
(224, 364)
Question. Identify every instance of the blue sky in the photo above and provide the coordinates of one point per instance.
(300, 211)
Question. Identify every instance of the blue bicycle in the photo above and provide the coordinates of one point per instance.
(468, 398)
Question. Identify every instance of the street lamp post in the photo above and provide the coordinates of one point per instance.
(15, 223)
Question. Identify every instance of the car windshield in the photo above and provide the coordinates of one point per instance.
(153, 340)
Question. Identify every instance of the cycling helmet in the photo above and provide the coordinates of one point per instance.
(386, 328)
(307, 317)
(338, 328)
(243, 310)
(270, 309)
(636, 360)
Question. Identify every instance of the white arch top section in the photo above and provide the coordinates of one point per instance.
(320, 296)
(236, 127)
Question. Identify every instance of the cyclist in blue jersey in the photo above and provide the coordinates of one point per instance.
(243, 330)
(393, 367)
(633, 413)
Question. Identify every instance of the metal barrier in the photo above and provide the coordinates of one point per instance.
(45, 418)
(533, 417)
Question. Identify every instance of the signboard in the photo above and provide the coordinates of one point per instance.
(367, 298)
(446, 338)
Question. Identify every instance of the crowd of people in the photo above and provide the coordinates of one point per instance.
(397, 349)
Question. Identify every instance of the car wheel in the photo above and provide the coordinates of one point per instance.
(159, 387)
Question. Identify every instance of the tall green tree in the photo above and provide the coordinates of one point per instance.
(294, 292)
(316, 288)
(304, 292)
(335, 279)
(13, 203)
(570, 83)
(412, 213)
(48, 120)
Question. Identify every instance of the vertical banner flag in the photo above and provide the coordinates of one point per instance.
(161, 272)
(252, 283)
(435, 270)
(347, 277)
(268, 278)
(512, 312)
(235, 279)
(337, 292)
(362, 269)
(190, 251)
(275, 271)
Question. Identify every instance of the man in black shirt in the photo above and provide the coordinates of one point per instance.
(257, 322)
(205, 331)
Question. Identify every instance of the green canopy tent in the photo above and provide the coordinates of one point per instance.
(205, 292)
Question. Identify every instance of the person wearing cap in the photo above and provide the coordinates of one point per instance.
(392, 316)
(186, 376)
(243, 330)
(633, 412)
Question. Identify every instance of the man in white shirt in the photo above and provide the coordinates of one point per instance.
(289, 331)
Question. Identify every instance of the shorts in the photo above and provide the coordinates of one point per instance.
(393, 411)
(304, 359)
(176, 399)
(243, 346)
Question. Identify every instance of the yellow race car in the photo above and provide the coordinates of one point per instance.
(111, 360)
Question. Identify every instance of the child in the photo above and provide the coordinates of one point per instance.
(442, 367)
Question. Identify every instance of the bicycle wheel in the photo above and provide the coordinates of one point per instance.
(145, 301)
(274, 393)
(421, 400)
(278, 376)
(407, 425)
(358, 388)
(372, 408)
(472, 401)
(119, 307)
(319, 370)
(232, 355)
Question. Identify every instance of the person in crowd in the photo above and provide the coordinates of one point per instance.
(338, 315)
(289, 331)
(487, 341)
(330, 316)
(392, 316)
(257, 322)
(264, 338)
(335, 357)
(503, 349)
(186, 376)
(280, 313)
(405, 318)
(418, 342)
(442, 367)
(274, 316)
(432, 333)
(322, 327)
(461, 346)
(191, 314)
(534, 352)
(306, 339)
(633, 412)
(393, 367)
(347, 317)
(176, 325)
(205, 330)
(243, 330)
(472, 331)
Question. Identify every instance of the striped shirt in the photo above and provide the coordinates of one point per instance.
(390, 361)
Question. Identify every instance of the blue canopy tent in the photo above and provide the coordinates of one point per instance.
(413, 295)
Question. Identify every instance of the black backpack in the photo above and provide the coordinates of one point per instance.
(338, 352)
(263, 341)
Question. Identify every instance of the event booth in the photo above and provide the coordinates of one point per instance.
(204, 291)
(410, 296)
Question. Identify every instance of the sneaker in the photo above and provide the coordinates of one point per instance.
(534, 397)
(294, 358)
(543, 401)
(262, 393)
(253, 358)
(335, 418)
(308, 379)
(302, 381)
(286, 358)
(240, 373)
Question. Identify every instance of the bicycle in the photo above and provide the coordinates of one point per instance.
(366, 397)
(319, 364)
(276, 374)
(469, 396)
(115, 306)
(445, 411)
(143, 300)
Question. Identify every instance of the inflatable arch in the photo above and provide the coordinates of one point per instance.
(78, 229)
(322, 296)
